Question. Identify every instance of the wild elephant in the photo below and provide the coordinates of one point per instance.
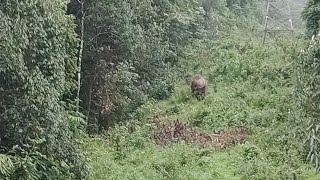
(199, 86)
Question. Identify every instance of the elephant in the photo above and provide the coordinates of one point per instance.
(199, 86)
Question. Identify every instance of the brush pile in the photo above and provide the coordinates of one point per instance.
(166, 133)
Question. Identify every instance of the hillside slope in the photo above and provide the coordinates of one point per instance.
(250, 86)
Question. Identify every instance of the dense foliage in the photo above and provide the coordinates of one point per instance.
(311, 15)
(37, 65)
(308, 84)
(308, 97)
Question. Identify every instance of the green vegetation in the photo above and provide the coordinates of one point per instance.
(37, 67)
(132, 58)
(129, 57)
(251, 89)
(307, 95)
(311, 16)
(308, 85)
(177, 162)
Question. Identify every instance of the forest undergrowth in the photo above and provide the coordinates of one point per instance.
(250, 87)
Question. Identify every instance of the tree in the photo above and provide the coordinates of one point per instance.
(311, 15)
(37, 68)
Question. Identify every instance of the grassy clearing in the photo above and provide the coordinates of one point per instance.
(250, 88)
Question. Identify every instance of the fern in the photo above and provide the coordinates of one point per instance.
(6, 165)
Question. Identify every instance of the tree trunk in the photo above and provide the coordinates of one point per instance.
(80, 53)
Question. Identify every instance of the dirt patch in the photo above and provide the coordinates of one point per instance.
(166, 133)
